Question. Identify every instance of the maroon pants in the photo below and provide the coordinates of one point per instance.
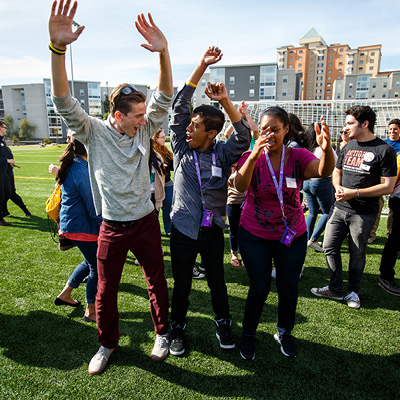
(144, 240)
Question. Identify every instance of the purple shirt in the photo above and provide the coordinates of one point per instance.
(262, 215)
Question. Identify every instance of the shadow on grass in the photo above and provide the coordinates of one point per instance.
(34, 223)
(45, 340)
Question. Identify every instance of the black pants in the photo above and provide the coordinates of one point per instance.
(5, 192)
(392, 246)
(14, 197)
(210, 244)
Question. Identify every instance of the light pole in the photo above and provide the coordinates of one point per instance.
(72, 67)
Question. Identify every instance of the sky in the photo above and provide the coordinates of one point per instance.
(247, 31)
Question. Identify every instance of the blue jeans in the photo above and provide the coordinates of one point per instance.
(87, 267)
(257, 254)
(319, 194)
(358, 227)
(166, 208)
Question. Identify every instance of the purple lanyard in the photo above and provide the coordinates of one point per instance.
(278, 186)
(196, 163)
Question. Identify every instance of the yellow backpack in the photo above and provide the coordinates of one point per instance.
(53, 204)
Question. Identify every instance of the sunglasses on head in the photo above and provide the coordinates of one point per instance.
(125, 90)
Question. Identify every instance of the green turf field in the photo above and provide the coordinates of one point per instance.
(45, 350)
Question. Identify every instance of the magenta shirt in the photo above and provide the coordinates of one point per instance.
(261, 214)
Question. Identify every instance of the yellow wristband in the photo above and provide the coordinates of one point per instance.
(56, 51)
(192, 84)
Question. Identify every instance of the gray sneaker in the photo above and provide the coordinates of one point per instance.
(353, 300)
(326, 292)
(99, 360)
(315, 245)
(389, 285)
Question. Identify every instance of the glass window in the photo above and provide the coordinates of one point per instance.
(252, 79)
(81, 92)
(217, 75)
(285, 78)
(231, 80)
(251, 92)
(231, 93)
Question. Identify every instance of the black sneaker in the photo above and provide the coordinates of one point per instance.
(247, 347)
(176, 347)
(224, 334)
(287, 347)
(389, 285)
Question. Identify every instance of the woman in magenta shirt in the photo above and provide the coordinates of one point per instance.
(272, 225)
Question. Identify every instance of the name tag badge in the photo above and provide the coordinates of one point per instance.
(291, 183)
(142, 149)
(216, 171)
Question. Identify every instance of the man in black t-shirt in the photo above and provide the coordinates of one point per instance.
(365, 170)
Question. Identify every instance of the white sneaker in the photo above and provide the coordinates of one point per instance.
(161, 348)
(353, 300)
(196, 274)
(99, 360)
(316, 246)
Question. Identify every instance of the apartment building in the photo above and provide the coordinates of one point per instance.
(384, 85)
(321, 64)
(251, 82)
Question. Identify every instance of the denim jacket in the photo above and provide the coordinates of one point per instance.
(77, 213)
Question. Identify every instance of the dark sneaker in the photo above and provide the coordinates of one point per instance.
(353, 300)
(3, 222)
(197, 274)
(389, 285)
(224, 334)
(326, 292)
(28, 214)
(247, 347)
(287, 346)
(176, 347)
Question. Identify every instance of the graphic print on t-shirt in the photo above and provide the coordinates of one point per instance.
(354, 161)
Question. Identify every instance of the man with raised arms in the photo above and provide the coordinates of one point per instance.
(118, 152)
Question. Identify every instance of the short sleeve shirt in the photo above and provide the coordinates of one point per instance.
(262, 214)
(363, 164)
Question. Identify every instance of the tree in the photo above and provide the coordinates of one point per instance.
(26, 130)
(8, 119)
(106, 104)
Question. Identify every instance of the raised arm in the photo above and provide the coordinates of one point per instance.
(211, 56)
(325, 165)
(61, 35)
(246, 115)
(156, 42)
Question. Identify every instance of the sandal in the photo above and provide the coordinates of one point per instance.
(235, 262)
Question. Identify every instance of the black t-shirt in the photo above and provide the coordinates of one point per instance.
(363, 164)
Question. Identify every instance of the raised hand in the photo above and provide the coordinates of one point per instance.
(60, 24)
(216, 91)
(322, 136)
(243, 108)
(156, 40)
(211, 56)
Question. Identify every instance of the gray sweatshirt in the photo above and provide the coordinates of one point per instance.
(118, 169)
